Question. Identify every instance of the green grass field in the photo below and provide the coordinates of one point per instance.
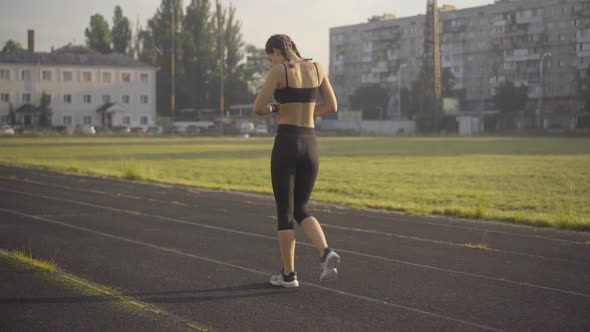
(539, 181)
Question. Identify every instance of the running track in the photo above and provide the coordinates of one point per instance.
(206, 256)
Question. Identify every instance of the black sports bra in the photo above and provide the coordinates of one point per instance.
(297, 95)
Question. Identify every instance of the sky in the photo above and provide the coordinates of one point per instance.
(58, 22)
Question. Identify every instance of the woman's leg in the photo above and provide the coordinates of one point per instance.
(306, 175)
(314, 232)
(283, 182)
(287, 245)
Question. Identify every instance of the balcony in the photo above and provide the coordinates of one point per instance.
(392, 78)
(583, 36)
(526, 19)
(521, 55)
(369, 78)
(381, 67)
(516, 30)
(454, 29)
(534, 92)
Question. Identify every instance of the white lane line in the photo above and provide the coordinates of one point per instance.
(376, 214)
(137, 213)
(243, 268)
(439, 242)
(76, 214)
(450, 244)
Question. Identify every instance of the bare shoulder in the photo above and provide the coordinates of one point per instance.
(320, 70)
(276, 70)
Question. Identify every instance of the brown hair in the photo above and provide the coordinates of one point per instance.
(284, 44)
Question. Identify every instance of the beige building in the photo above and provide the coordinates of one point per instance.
(482, 46)
(85, 88)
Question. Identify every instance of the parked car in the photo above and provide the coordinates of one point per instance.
(61, 129)
(155, 130)
(174, 130)
(261, 129)
(193, 129)
(102, 129)
(121, 129)
(87, 130)
(138, 130)
(246, 127)
(6, 130)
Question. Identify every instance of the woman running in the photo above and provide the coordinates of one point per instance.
(296, 83)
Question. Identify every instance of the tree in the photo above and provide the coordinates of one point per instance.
(236, 89)
(371, 100)
(198, 53)
(121, 33)
(136, 42)
(584, 89)
(11, 115)
(12, 46)
(45, 113)
(408, 109)
(98, 35)
(145, 49)
(256, 68)
(159, 37)
(510, 98)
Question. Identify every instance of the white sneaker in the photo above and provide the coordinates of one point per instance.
(329, 265)
(287, 281)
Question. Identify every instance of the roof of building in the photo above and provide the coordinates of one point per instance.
(27, 108)
(72, 56)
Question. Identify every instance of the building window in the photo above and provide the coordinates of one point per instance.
(533, 77)
(126, 120)
(26, 97)
(87, 76)
(144, 120)
(87, 120)
(5, 98)
(48, 97)
(4, 119)
(46, 75)
(26, 75)
(67, 99)
(106, 77)
(87, 99)
(144, 78)
(126, 77)
(5, 74)
(106, 99)
(67, 76)
(144, 100)
(67, 120)
(126, 99)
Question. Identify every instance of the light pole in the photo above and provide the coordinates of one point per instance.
(540, 105)
(399, 90)
(173, 62)
(221, 63)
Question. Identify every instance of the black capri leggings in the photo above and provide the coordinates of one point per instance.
(294, 169)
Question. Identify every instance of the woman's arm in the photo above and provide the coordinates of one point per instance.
(261, 106)
(329, 104)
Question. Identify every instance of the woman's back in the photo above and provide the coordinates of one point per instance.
(297, 92)
(296, 83)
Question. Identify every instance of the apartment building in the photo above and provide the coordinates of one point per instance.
(482, 46)
(84, 87)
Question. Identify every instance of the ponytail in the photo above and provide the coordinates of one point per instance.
(285, 45)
